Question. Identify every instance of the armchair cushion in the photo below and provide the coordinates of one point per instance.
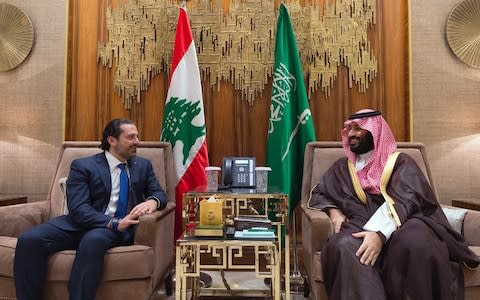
(14, 219)
(7, 252)
(455, 217)
(119, 262)
(471, 227)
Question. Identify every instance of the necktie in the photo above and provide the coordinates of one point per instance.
(123, 195)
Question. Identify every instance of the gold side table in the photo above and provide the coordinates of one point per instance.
(263, 258)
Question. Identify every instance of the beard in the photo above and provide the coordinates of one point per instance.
(363, 145)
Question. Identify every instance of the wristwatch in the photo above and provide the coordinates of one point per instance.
(115, 222)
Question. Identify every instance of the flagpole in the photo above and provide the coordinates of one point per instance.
(191, 104)
(296, 278)
(293, 104)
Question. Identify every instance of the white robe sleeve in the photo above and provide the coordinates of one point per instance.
(382, 221)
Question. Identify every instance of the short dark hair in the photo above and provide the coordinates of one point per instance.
(113, 129)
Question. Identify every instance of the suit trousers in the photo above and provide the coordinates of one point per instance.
(34, 246)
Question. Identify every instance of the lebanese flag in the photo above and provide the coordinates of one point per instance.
(183, 118)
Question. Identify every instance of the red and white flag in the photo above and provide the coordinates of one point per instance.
(183, 117)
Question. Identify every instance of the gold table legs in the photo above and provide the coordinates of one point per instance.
(265, 264)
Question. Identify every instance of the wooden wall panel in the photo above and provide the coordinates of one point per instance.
(233, 126)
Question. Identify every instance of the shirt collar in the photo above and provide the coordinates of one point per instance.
(362, 159)
(113, 162)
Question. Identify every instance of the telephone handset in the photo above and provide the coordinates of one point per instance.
(239, 172)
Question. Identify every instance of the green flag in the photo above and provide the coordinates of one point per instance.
(290, 125)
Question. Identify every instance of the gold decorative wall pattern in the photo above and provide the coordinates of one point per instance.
(337, 34)
(140, 42)
(236, 43)
(236, 46)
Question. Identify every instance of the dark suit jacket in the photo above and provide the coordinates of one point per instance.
(89, 186)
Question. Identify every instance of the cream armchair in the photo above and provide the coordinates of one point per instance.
(316, 226)
(131, 272)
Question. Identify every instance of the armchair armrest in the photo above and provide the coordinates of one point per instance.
(14, 219)
(471, 227)
(316, 227)
(156, 230)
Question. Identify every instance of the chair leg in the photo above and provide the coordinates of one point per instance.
(306, 287)
(169, 283)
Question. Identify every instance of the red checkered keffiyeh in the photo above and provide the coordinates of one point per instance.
(384, 145)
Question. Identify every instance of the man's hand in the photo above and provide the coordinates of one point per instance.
(144, 208)
(337, 218)
(371, 247)
(126, 222)
(140, 209)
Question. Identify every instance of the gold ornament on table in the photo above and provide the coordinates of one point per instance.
(463, 32)
(16, 36)
(235, 42)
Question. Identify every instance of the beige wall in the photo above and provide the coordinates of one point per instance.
(32, 104)
(446, 103)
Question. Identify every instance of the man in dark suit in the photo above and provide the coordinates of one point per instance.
(106, 194)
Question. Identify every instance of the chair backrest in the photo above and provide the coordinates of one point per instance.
(319, 156)
(159, 153)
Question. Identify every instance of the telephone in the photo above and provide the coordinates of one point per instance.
(239, 172)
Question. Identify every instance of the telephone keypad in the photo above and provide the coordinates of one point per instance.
(242, 177)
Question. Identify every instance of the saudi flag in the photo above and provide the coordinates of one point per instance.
(290, 124)
(183, 118)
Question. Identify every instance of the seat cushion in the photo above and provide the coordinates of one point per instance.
(118, 262)
(7, 252)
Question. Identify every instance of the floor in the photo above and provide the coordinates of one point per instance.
(239, 282)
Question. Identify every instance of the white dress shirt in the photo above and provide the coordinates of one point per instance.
(113, 163)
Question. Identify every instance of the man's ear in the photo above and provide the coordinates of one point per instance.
(111, 140)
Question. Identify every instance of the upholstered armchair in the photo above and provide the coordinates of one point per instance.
(130, 272)
(316, 226)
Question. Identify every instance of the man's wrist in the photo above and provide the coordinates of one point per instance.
(382, 236)
(114, 224)
(157, 201)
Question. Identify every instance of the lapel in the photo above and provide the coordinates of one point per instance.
(104, 171)
(132, 168)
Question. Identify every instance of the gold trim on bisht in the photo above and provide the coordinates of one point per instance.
(356, 183)
(386, 174)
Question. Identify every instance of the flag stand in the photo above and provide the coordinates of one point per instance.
(296, 278)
